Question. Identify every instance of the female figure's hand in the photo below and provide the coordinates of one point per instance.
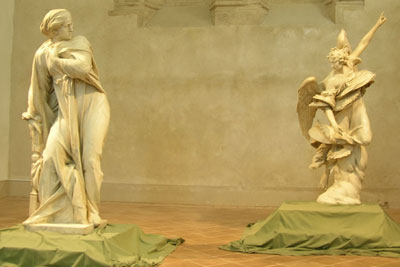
(337, 128)
(64, 53)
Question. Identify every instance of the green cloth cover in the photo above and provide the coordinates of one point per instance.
(113, 245)
(310, 228)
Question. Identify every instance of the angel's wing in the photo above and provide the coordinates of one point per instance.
(306, 114)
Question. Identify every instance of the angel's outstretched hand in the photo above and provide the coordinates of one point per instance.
(382, 19)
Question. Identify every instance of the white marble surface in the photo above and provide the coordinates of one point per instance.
(68, 116)
(341, 142)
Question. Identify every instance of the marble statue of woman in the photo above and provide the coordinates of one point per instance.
(68, 115)
(340, 143)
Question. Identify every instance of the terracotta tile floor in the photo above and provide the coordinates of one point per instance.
(204, 228)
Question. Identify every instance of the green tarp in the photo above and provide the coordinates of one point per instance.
(113, 245)
(310, 228)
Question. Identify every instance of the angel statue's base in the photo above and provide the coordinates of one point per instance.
(341, 143)
(310, 228)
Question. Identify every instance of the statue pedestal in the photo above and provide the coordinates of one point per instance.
(111, 245)
(72, 229)
(311, 228)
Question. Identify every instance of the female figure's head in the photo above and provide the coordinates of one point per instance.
(338, 57)
(57, 25)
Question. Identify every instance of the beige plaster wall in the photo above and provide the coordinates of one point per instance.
(6, 33)
(205, 114)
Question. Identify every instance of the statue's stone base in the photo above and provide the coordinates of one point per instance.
(72, 229)
(310, 228)
(111, 245)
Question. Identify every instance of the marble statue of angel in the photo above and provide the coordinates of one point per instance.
(68, 115)
(341, 143)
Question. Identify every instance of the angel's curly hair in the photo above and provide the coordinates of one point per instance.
(340, 55)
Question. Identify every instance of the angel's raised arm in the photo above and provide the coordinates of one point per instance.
(367, 38)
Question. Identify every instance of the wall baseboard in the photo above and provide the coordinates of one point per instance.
(3, 188)
(212, 195)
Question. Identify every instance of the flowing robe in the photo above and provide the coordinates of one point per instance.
(68, 103)
(344, 154)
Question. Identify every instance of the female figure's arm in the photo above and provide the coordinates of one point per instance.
(331, 90)
(40, 114)
(78, 65)
(331, 118)
(368, 37)
(75, 64)
(39, 87)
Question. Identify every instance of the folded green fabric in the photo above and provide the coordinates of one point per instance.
(113, 245)
(310, 228)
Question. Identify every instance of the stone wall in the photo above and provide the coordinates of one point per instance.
(205, 114)
(6, 32)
